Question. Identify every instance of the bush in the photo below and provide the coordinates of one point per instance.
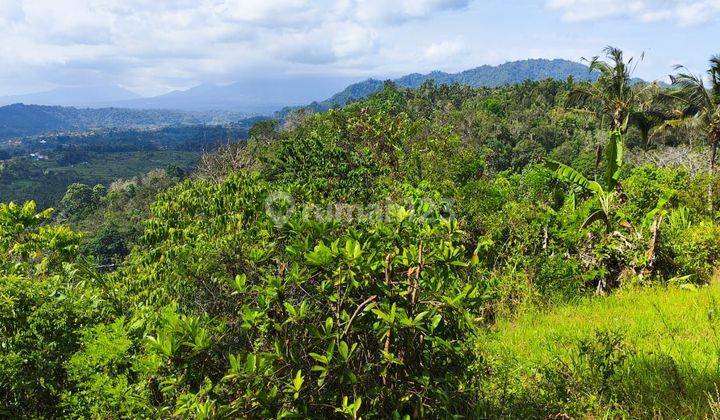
(45, 300)
(311, 317)
(79, 201)
(697, 251)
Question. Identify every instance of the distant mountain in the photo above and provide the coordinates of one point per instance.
(264, 96)
(86, 96)
(252, 96)
(484, 76)
(20, 120)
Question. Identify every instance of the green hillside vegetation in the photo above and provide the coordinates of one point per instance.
(21, 120)
(42, 167)
(444, 251)
(47, 181)
(485, 76)
(640, 353)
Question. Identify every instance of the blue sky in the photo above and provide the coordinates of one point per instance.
(152, 47)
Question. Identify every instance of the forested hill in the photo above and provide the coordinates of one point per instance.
(20, 120)
(484, 76)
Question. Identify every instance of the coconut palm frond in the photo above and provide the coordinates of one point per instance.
(600, 66)
(715, 76)
(692, 90)
(648, 121)
(672, 99)
(676, 123)
(580, 95)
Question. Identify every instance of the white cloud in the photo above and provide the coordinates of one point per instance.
(697, 12)
(142, 42)
(401, 10)
(682, 12)
(581, 10)
(443, 51)
(10, 12)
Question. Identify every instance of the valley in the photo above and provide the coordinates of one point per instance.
(42, 167)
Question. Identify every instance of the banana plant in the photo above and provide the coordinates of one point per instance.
(605, 195)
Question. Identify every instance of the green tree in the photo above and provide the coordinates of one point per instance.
(80, 200)
(46, 297)
(613, 91)
(700, 104)
(264, 130)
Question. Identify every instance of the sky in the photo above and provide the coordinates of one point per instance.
(154, 46)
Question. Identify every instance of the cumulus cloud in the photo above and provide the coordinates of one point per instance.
(443, 51)
(682, 12)
(138, 42)
(402, 10)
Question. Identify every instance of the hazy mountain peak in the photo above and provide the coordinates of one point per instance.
(73, 96)
(266, 95)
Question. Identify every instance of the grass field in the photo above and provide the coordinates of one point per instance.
(652, 353)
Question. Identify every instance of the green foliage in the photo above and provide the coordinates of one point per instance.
(325, 158)
(80, 200)
(384, 309)
(30, 247)
(263, 129)
(45, 300)
(698, 251)
(385, 259)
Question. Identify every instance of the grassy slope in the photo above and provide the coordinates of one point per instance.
(672, 334)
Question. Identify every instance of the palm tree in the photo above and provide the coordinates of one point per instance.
(613, 91)
(700, 104)
(648, 115)
(617, 98)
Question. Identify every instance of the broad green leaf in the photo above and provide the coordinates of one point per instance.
(567, 174)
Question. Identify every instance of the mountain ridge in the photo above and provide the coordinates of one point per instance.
(508, 73)
(260, 97)
(265, 96)
(80, 96)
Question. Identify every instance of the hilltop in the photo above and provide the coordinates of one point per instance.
(484, 76)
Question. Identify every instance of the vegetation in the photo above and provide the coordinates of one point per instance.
(42, 167)
(640, 353)
(21, 120)
(486, 76)
(437, 252)
(701, 105)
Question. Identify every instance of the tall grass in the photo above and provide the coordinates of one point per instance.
(640, 353)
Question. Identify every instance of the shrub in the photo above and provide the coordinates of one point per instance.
(697, 251)
(45, 300)
(310, 317)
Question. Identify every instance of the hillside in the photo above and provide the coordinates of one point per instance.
(483, 76)
(424, 253)
(41, 168)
